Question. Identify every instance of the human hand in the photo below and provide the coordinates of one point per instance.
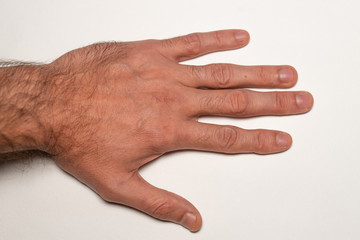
(114, 107)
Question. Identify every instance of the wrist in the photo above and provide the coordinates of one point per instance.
(22, 122)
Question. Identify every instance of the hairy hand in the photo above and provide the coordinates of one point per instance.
(117, 106)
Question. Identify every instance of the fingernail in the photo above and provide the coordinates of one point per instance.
(282, 139)
(188, 221)
(286, 75)
(240, 36)
(303, 100)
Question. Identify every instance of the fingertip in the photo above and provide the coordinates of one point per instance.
(305, 101)
(198, 223)
(295, 76)
(191, 221)
(283, 140)
(288, 76)
(311, 104)
(242, 37)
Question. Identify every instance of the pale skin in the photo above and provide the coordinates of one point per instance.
(105, 110)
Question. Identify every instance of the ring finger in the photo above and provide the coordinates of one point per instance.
(247, 103)
(230, 139)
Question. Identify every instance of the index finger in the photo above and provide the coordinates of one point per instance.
(197, 44)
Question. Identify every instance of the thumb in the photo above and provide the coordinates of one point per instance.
(160, 204)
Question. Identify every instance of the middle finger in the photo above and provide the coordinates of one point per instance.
(223, 75)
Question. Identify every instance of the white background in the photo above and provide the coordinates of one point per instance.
(310, 192)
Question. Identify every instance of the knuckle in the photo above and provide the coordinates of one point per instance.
(238, 102)
(219, 38)
(150, 70)
(112, 188)
(263, 75)
(210, 102)
(109, 191)
(260, 142)
(226, 137)
(163, 136)
(281, 102)
(163, 208)
(197, 72)
(192, 42)
(221, 73)
(168, 43)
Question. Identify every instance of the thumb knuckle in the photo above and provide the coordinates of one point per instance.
(163, 209)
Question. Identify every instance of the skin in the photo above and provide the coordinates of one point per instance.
(105, 110)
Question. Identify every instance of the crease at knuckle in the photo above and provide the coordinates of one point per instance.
(238, 102)
(260, 142)
(192, 43)
(263, 76)
(162, 209)
(169, 43)
(226, 137)
(281, 102)
(222, 74)
(219, 39)
(210, 102)
(197, 72)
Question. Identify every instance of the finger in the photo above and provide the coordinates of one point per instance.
(234, 76)
(247, 103)
(158, 203)
(230, 139)
(197, 44)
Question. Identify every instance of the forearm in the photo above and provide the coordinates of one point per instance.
(22, 126)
